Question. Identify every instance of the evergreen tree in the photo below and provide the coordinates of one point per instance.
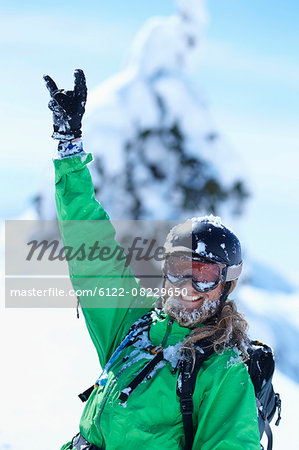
(157, 153)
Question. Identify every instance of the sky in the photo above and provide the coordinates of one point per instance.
(249, 76)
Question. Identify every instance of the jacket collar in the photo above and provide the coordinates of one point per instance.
(158, 330)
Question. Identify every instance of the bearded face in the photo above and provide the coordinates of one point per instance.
(191, 308)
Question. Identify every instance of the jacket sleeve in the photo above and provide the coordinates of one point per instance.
(83, 222)
(227, 415)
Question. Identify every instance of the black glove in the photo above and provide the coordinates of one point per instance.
(68, 107)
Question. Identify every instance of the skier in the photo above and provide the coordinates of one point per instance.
(149, 353)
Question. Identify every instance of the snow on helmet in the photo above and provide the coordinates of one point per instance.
(206, 237)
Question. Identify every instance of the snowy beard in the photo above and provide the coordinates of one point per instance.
(190, 319)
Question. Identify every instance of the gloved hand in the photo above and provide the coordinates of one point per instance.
(68, 107)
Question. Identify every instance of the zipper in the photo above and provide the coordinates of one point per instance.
(167, 333)
(105, 398)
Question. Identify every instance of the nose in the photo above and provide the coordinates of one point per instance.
(190, 289)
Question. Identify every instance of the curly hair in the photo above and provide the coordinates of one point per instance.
(226, 329)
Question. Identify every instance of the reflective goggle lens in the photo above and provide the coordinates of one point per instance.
(205, 276)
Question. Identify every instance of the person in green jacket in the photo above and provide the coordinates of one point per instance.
(201, 266)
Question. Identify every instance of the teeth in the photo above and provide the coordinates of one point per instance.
(190, 298)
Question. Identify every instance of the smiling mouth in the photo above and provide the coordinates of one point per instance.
(191, 299)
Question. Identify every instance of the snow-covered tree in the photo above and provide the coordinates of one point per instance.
(157, 153)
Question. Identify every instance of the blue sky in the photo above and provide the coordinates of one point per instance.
(249, 76)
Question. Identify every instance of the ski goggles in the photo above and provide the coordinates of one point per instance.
(204, 275)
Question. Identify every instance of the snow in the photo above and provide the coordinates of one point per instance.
(201, 247)
(126, 391)
(158, 366)
(205, 285)
(274, 320)
(179, 384)
(140, 355)
(215, 220)
(143, 341)
(265, 277)
(172, 353)
(103, 379)
(234, 360)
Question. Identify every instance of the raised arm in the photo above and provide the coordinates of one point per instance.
(84, 224)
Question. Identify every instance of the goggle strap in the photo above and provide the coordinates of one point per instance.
(224, 294)
(233, 272)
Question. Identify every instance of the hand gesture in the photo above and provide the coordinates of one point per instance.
(68, 107)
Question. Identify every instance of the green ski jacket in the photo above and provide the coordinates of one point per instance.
(225, 415)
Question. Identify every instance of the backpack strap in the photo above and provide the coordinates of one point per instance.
(268, 430)
(125, 393)
(269, 435)
(86, 394)
(185, 389)
(186, 385)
